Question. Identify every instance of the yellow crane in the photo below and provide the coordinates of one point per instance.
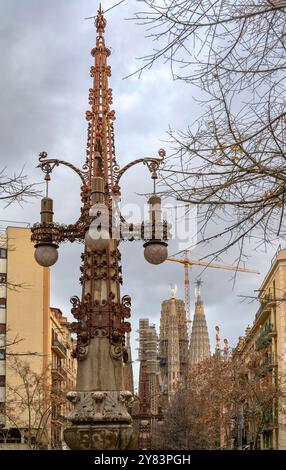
(188, 264)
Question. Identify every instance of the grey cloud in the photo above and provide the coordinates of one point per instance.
(44, 81)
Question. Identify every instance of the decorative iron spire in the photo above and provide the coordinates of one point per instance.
(100, 419)
(200, 343)
(100, 21)
(100, 143)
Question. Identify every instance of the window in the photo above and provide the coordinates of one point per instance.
(2, 411)
(3, 278)
(2, 328)
(2, 380)
(2, 354)
(3, 253)
(2, 303)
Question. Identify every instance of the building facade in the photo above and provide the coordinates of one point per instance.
(33, 334)
(63, 373)
(147, 409)
(173, 346)
(268, 336)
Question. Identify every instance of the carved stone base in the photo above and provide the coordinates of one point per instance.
(100, 421)
(104, 436)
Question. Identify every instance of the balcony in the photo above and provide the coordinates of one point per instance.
(270, 421)
(273, 361)
(263, 341)
(59, 373)
(270, 361)
(57, 420)
(59, 348)
(266, 365)
(58, 395)
(271, 329)
(267, 303)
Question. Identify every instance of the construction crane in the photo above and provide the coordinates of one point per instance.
(187, 264)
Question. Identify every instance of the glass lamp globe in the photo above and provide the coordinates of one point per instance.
(46, 254)
(156, 252)
(97, 240)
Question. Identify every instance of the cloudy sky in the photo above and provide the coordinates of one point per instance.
(44, 82)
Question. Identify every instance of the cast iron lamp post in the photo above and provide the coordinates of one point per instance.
(101, 418)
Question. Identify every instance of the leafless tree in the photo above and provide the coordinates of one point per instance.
(241, 40)
(4, 344)
(231, 161)
(16, 188)
(30, 400)
(206, 413)
(173, 432)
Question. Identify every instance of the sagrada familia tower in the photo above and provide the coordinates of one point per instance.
(173, 345)
(200, 343)
(165, 361)
(173, 354)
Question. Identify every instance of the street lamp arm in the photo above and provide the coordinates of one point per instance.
(59, 233)
(48, 165)
(47, 230)
(151, 162)
(48, 235)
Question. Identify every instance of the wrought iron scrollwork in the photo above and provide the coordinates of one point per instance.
(151, 162)
(105, 318)
(47, 166)
(60, 232)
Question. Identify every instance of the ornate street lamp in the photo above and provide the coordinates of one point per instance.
(101, 418)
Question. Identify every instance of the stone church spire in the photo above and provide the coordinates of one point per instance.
(173, 345)
(200, 343)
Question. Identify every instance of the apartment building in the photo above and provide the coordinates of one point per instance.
(268, 336)
(31, 333)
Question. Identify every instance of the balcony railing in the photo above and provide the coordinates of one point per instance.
(266, 365)
(271, 360)
(271, 329)
(60, 372)
(59, 348)
(266, 303)
(57, 420)
(59, 393)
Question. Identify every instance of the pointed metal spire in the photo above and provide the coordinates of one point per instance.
(100, 143)
(100, 21)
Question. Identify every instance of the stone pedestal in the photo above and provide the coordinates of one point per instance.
(100, 421)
